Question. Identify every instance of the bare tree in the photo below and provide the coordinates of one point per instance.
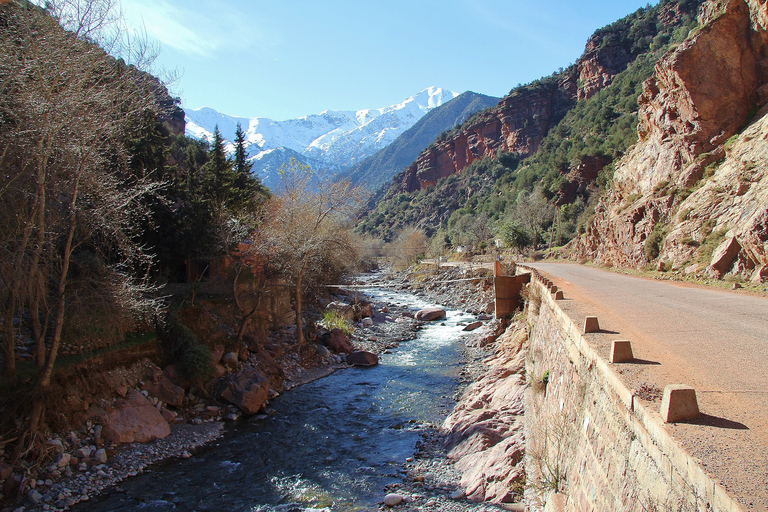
(68, 111)
(307, 229)
(532, 211)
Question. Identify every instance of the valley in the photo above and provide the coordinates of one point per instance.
(202, 311)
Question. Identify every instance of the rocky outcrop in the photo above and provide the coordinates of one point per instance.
(484, 432)
(700, 96)
(599, 65)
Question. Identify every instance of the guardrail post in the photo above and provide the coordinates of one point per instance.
(679, 403)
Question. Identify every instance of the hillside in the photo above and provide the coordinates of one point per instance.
(692, 196)
(554, 135)
(379, 168)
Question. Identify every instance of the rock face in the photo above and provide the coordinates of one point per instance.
(701, 95)
(247, 389)
(516, 125)
(485, 430)
(134, 420)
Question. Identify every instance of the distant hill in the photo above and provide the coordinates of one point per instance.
(379, 168)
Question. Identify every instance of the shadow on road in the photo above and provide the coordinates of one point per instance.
(644, 361)
(717, 422)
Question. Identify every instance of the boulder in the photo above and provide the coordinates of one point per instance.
(247, 389)
(230, 360)
(393, 499)
(473, 326)
(430, 314)
(342, 308)
(322, 351)
(100, 456)
(167, 391)
(5, 471)
(724, 255)
(362, 358)
(134, 420)
(362, 310)
(337, 342)
(217, 353)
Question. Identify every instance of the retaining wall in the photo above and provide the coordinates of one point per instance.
(589, 439)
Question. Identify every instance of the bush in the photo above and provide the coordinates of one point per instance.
(332, 319)
(652, 246)
(181, 347)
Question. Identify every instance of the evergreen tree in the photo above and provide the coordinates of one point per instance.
(242, 166)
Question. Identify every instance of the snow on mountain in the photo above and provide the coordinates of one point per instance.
(330, 141)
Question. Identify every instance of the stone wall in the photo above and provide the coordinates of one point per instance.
(591, 445)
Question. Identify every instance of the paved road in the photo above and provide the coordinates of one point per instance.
(716, 341)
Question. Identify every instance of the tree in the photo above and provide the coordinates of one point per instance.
(71, 203)
(533, 212)
(307, 230)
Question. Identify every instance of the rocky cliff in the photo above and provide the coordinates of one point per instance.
(516, 125)
(519, 123)
(692, 195)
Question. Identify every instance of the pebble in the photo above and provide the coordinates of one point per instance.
(393, 499)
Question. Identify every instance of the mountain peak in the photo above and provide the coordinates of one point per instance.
(330, 141)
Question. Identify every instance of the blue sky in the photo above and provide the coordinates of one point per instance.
(289, 58)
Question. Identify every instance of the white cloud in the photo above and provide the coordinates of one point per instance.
(197, 29)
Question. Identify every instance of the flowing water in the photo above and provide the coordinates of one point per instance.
(332, 444)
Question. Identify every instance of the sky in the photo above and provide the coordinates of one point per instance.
(284, 59)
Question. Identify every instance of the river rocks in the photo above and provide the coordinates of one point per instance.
(337, 341)
(230, 360)
(247, 389)
(362, 358)
(167, 391)
(322, 351)
(100, 456)
(134, 419)
(34, 497)
(393, 499)
(473, 326)
(430, 314)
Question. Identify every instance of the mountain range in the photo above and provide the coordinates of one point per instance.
(329, 142)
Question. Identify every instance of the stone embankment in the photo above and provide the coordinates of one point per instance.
(592, 444)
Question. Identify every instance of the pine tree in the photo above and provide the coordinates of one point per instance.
(242, 166)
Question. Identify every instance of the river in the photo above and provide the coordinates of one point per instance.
(333, 444)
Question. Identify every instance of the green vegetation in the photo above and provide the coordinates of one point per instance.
(332, 319)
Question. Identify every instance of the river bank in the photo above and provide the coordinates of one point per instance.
(430, 480)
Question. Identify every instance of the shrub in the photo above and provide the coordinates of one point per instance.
(652, 247)
(332, 319)
(181, 347)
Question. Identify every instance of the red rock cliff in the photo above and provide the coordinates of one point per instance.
(516, 125)
(700, 96)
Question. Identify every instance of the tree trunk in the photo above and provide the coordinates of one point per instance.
(9, 336)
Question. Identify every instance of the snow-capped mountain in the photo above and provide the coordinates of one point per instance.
(329, 142)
